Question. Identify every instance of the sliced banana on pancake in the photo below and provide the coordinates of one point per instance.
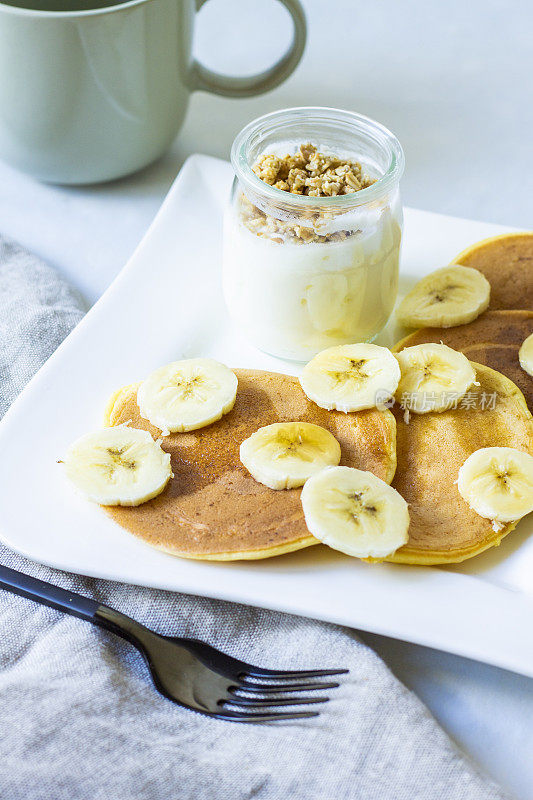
(351, 377)
(213, 508)
(525, 355)
(497, 483)
(187, 395)
(434, 377)
(355, 512)
(493, 339)
(118, 466)
(284, 455)
(447, 297)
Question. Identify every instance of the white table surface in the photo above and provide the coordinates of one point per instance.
(453, 81)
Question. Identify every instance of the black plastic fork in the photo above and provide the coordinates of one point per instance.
(187, 671)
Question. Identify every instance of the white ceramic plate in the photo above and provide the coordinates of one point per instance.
(167, 304)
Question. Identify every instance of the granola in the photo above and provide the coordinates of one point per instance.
(310, 173)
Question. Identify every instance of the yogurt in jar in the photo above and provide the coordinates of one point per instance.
(294, 299)
(313, 229)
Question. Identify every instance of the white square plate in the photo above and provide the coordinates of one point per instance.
(167, 304)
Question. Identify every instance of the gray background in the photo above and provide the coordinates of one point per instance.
(453, 81)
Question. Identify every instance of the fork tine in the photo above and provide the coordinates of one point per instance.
(231, 667)
(249, 716)
(255, 672)
(269, 688)
(274, 701)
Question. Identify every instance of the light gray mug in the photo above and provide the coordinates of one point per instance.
(91, 90)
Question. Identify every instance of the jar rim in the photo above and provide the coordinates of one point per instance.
(366, 126)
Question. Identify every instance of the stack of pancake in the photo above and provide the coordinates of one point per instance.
(213, 509)
(432, 447)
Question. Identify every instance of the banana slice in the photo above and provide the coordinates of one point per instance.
(351, 377)
(434, 377)
(326, 297)
(355, 512)
(286, 454)
(497, 483)
(187, 395)
(447, 297)
(525, 355)
(118, 466)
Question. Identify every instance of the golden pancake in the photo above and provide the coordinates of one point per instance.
(432, 447)
(507, 263)
(213, 508)
(493, 339)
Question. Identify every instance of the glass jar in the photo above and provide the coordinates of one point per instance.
(303, 273)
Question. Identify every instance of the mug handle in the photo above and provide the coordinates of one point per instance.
(206, 80)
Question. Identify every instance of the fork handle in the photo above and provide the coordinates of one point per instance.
(75, 604)
(48, 594)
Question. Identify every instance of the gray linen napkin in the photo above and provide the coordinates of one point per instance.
(81, 721)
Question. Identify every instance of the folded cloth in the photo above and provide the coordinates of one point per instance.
(81, 720)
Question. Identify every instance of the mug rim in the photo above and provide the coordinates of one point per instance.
(88, 12)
